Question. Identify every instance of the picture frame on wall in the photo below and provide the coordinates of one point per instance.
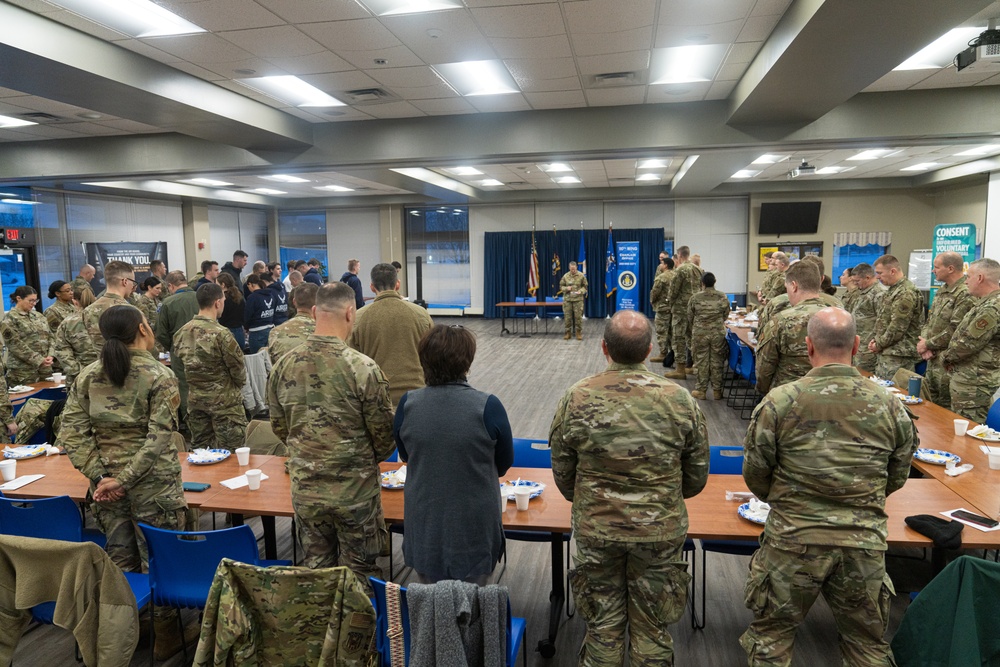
(763, 249)
(794, 250)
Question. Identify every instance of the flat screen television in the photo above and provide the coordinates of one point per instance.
(798, 217)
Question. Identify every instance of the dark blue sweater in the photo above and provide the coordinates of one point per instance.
(259, 310)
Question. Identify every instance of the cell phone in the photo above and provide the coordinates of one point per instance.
(197, 487)
(984, 521)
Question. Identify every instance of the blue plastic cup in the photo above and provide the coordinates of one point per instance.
(914, 387)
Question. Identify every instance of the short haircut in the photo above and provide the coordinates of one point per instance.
(768, 254)
(333, 297)
(291, 264)
(805, 274)
(239, 253)
(313, 262)
(836, 335)
(207, 265)
(116, 270)
(780, 257)
(863, 270)
(817, 261)
(259, 266)
(446, 353)
(304, 296)
(265, 278)
(300, 263)
(669, 262)
(573, 264)
(952, 259)
(990, 269)
(384, 277)
(628, 336)
(294, 275)
(155, 264)
(708, 280)
(684, 252)
(271, 266)
(352, 264)
(887, 262)
(176, 278)
(208, 294)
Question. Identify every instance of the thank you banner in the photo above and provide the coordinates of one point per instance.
(627, 296)
(137, 253)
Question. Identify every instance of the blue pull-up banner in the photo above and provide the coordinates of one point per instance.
(627, 296)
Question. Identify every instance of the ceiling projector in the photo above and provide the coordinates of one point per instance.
(804, 169)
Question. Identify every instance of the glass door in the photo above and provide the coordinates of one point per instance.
(17, 267)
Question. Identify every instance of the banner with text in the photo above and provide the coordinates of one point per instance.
(960, 238)
(627, 296)
(136, 253)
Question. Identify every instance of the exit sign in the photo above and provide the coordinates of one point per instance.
(13, 234)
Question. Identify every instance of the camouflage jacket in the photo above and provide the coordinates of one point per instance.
(685, 284)
(330, 405)
(772, 308)
(865, 310)
(79, 283)
(774, 284)
(176, 310)
(659, 294)
(974, 349)
(6, 410)
(57, 312)
(573, 288)
(213, 362)
(825, 451)
(707, 313)
(286, 337)
(27, 337)
(897, 325)
(781, 345)
(848, 298)
(129, 432)
(949, 307)
(628, 446)
(91, 323)
(70, 344)
(150, 308)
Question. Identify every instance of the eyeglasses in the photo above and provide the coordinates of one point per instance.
(131, 280)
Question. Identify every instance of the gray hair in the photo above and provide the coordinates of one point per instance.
(832, 330)
(628, 336)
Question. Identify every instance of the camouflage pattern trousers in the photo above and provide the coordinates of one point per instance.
(710, 353)
(679, 335)
(887, 365)
(573, 316)
(865, 360)
(213, 426)
(782, 586)
(937, 381)
(350, 535)
(633, 589)
(662, 323)
(972, 400)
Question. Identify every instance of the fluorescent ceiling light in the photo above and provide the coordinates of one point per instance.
(434, 178)
(478, 77)
(827, 171)
(211, 182)
(686, 64)
(490, 182)
(873, 154)
(138, 18)
(649, 177)
(269, 191)
(923, 166)
(292, 90)
(464, 171)
(394, 7)
(745, 173)
(979, 150)
(767, 158)
(941, 52)
(652, 164)
(555, 167)
(567, 180)
(285, 178)
(19, 201)
(8, 121)
(335, 188)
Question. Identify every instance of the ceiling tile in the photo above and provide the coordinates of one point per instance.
(91, 129)
(488, 103)
(315, 11)
(394, 56)
(439, 90)
(275, 42)
(704, 12)
(340, 81)
(201, 72)
(758, 28)
(556, 46)
(8, 92)
(744, 52)
(260, 68)
(992, 81)
(686, 35)
(949, 77)
(557, 100)
(520, 22)
(49, 132)
(458, 39)
(616, 96)
(720, 90)
(216, 15)
(130, 126)
(358, 35)
(731, 72)
(14, 135)
(335, 115)
(600, 17)
(591, 44)
(201, 49)
(404, 76)
(767, 7)
(504, 3)
(84, 25)
(36, 6)
(688, 92)
(444, 107)
(618, 62)
(393, 110)
(316, 63)
(544, 75)
(898, 80)
(146, 50)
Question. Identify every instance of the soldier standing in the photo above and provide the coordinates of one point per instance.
(285, 338)
(826, 533)
(83, 278)
(865, 311)
(897, 325)
(774, 282)
(574, 290)
(330, 406)
(659, 297)
(707, 312)
(63, 306)
(627, 448)
(215, 371)
(120, 280)
(686, 281)
(850, 289)
(951, 303)
(25, 332)
(973, 354)
(177, 310)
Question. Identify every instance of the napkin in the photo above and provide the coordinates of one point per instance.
(955, 471)
(742, 496)
(401, 474)
(759, 509)
(18, 482)
(239, 482)
(18, 389)
(946, 534)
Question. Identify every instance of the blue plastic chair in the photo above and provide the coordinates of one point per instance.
(56, 518)
(733, 365)
(748, 373)
(516, 627)
(993, 416)
(552, 312)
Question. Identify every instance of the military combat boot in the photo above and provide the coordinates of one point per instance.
(656, 360)
(698, 394)
(678, 374)
(579, 335)
(717, 394)
(567, 336)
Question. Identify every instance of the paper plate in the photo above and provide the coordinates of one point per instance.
(744, 511)
(507, 488)
(19, 389)
(910, 400)
(213, 456)
(24, 452)
(936, 456)
(390, 480)
(988, 436)
(881, 382)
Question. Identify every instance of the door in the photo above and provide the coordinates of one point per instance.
(17, 267)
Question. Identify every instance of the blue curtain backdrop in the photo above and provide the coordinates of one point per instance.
(507, 256)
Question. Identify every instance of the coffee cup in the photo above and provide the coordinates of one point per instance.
(522, 494)
(994, 461)
(58, 378)
(8, 469)
(253, 479)
(243, 456)
(961, 426)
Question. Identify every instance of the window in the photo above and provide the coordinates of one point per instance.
(853, 248)
(302, 235)
(440, 236)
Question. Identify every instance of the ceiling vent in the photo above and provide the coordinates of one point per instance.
(369, 96)
(611, 79)
(40, 117)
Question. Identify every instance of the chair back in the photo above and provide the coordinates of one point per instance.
(46, 518)
(748, 363)
(732, 340)
(528, 453)
(394, 457)
(725, 460)
(182, 564)
(992, 417)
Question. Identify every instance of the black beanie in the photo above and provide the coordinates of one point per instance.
(946, 534)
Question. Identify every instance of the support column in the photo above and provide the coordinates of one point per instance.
(391, 246)
(991, 240)
(197, 247)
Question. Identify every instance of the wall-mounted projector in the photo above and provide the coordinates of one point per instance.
(804, 169)
(983, 54)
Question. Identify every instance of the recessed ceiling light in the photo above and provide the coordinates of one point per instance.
(211, 182)
(566, 180)
(8, 121)
(138, 18)
(26, 202)
(490, 182)
(457, 210)
(555, 167)
(745, 173)
(827, 171)
(394, 7)
(335, 188)
(414, 212)
(478, 77)
(464, 171)
(768, 158)
(269, 191)
(292, 90)
(686, 64)
(649, 177)
(941, 52)
(652, 164)
(979, 150)
(89, 115)
(873, 154)
(285, 178)
(923, 166)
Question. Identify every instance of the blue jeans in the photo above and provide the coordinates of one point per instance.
(258, 339)
(240, 335)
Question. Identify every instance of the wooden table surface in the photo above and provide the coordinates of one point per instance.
(743, 333)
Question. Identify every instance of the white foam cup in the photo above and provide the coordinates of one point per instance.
(243, 456)
(8, 469)
(522, 494)
(961, 426)
(253, 479)
(994, 461)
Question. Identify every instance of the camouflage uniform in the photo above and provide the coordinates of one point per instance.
(150, 308)
(81, 342)
(216, 372)
(824, 451)
(627, 447)
(781, 345)
(686, 282)
(659, 297)
(849, 297)
(707, 313)
(330, 405)
(31, 419)
(774, 284)
(177, 310)
(949, 307)
(6, 410)
(974, 357)
(57, 312)
(79, 283)
(772, 308)
(286, 337)
(897, 328)
(27, 337)
(865, 311)
(129, 433)
(574, 291)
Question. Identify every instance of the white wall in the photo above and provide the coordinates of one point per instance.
(716, 229)
(353, 234)
(232, 229)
